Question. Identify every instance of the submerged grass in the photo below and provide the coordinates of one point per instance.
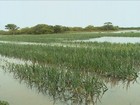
(66, 85)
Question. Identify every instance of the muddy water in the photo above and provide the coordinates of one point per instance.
(19, 94)
(122, 93)
(16, 93)
(114, 39)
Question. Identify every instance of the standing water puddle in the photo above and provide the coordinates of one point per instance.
(114, 39)
(16, 93)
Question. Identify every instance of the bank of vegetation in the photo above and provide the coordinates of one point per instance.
(50, 29)
(4, 103)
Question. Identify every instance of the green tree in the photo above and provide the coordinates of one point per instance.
(42, 29)
(26, 30)
(12, 28)
(57, 29)
(89, 28)
(109, 26)
(76, 29)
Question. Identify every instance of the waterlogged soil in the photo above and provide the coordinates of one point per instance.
(18, 93)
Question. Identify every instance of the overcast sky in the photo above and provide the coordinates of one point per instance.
(69, 13)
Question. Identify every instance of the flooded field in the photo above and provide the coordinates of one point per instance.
(41, 44)
(114, 40)
(42, 71)
(20, 92)
(121, 93)
(128, 31)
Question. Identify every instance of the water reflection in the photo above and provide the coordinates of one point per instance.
(116, 82)
(121, 93)
(114, 40)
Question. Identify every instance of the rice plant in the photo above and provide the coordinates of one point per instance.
(65, 85)
(112, 60)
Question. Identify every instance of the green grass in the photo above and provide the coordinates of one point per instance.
(61, 37)
(116, 60)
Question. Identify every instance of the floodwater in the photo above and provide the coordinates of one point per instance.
(16, 92)
(42, 44)
(30, 43)
(114, 40)
(19, 93)
(122, 93)
(127, 31)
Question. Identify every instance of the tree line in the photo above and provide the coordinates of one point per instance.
(49, 29)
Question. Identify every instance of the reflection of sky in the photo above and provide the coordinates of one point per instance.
(115, 39)
(69, 13)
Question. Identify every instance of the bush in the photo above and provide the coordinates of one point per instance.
(4, 103)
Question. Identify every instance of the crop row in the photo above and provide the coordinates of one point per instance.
(118, 60)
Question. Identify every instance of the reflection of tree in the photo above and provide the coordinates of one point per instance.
(72, 87)
(116, 81)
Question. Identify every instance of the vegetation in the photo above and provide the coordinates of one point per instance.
(51, 38)
(73, 71)
(116, 60)
(109, 26)
(12, 28)
(4, 103)
(66, 85)
(49, 29)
